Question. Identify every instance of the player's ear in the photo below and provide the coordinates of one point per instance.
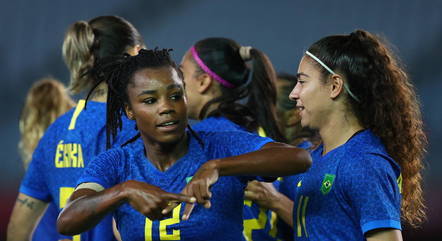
(336, 86)
(204, 83)
(129, 112)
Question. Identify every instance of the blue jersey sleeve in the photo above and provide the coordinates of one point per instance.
(370, 184)
(288, 186)
(103, 169)
(34, 183)
(234, 143)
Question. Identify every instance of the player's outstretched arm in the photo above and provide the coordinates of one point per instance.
(273, 159)
(24, 217)
(87, 207)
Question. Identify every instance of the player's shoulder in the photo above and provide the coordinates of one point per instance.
(227, 136)
(363, 145)
(365, 151)
(217, 124)
(62, 121)
(130, 149)
(57, 128)
(114, 155)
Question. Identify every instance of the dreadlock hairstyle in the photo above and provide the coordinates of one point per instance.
(255, 84)
(118, 72)
(88, 41)
(382, 97)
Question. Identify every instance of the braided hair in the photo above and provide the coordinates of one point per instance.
(118, 72)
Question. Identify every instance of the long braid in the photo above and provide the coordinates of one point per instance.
(112, 71)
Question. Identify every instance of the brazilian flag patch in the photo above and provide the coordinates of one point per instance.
(327, 183)
(188, 179)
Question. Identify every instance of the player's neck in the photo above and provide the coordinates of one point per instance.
(100, 93)
(206, 99)
(338, 130)
(163, 156)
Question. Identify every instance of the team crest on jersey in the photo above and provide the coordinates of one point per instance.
(327, 183)
(188, 179)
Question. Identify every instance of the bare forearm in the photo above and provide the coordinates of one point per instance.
(274, 159)
(86, 208)
(25, 215)
(284, 209)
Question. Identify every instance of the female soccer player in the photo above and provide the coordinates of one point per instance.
(366, 175)
(46, 101)
(226, 83)
(137, 182)
(289, 118)
(77, 136)
(232, 88)
(269, 196)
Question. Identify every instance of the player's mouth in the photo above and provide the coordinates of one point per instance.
(301, 109)
(168, 125)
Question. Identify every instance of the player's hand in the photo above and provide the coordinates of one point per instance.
(262, 193)
(151, 200)
(199, 188)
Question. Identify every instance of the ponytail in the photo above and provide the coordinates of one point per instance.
(388, 106)
(262, 99)
(249, 74)
(77, 54)
(87, 42)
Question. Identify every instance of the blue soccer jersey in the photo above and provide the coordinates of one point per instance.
(223, 221)
(348, 191)
(217, 124)
(288, 184)
(63, 152)
(45, 230)
(259, 223)
(287, 187)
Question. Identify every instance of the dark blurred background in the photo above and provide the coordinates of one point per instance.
(31, 35)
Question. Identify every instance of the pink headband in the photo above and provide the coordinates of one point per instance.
(209, 71)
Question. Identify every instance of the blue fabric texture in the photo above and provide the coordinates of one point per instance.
(223, 221)
(67, 146)
(347, 192)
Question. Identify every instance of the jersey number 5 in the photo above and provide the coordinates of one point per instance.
(65, 193)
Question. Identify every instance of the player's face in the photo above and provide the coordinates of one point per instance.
(188, 67)
(311, 95)
(158, 104)
(289, 118)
